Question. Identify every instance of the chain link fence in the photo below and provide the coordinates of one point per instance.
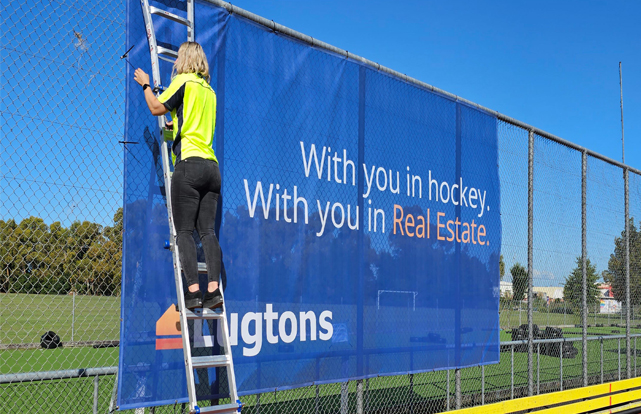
(61, 198)
(570, 271)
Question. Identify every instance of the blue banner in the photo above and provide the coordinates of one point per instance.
(359, 222)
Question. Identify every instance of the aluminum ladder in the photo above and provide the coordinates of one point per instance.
(200, 362)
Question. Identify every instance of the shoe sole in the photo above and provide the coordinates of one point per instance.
(192, 306)
(213, 306)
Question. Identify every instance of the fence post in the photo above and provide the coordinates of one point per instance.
(584, 304)
(538, 368)
(457, 388)
(73, 312)
(448, 390)
(367, 395)
(95, 394)
(601, 360)
(530, 270)
(411, 393)
(482, 384)
(344, 397)
(561, 359)
(619, 354)
(359, 396)
(316, 400)
(628, 372)
(512, 372)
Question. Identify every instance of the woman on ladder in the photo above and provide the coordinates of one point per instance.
(196, 182)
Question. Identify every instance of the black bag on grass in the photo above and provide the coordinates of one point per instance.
(50, 340)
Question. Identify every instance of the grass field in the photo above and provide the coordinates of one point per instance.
(510, 318)
(94, 318)
(97, 318)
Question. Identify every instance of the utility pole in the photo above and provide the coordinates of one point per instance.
(622, 136)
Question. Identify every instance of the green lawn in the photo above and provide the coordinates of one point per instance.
(428, 389)
(510, 318)
(34, 360)
(97, 318)
(24, 318)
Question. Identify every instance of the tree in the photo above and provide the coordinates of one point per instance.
(519, 281)
(573, 287)
(8, 251)
(501, 267)
(51, 259)
(615, 274)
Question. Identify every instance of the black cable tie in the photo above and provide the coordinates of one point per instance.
(127, 52)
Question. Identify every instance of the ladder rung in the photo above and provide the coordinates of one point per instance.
(166, 59)
(202, 268)
(210, 361)
(204, 313)
(167, 15)
(166, 51)
(221, 409)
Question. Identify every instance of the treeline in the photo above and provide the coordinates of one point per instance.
(86, 258)
(38, 258)
(614, 275)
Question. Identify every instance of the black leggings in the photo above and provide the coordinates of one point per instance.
(195, 187)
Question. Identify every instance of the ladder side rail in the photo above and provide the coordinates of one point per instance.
(190, 17)
(179, 285)
(155, 71)
(231, 376)
(153, 45)
(153, 49)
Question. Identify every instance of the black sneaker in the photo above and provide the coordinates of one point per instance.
(193, 300)
(212, 300)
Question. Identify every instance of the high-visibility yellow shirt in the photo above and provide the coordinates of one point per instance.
(192, 103)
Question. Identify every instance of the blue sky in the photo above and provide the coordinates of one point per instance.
(551, 64)
(63, 109)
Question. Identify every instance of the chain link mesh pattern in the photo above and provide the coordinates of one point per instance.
(61, 193)
(61, 222)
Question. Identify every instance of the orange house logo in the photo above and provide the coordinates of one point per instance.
(168, 334)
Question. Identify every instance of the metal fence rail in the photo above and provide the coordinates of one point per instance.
(570, 220)
(362, 394)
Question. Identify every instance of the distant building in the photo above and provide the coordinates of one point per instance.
(549, 293)
(506, 289)
(607, 302)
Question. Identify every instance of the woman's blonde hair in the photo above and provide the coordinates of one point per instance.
(191, 59)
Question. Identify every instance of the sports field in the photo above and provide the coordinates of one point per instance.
(94, 318)
(97, 318)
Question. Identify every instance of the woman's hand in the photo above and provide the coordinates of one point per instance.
(141, 77)
(153, 103)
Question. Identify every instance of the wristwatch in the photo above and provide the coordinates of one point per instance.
(145, 86)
